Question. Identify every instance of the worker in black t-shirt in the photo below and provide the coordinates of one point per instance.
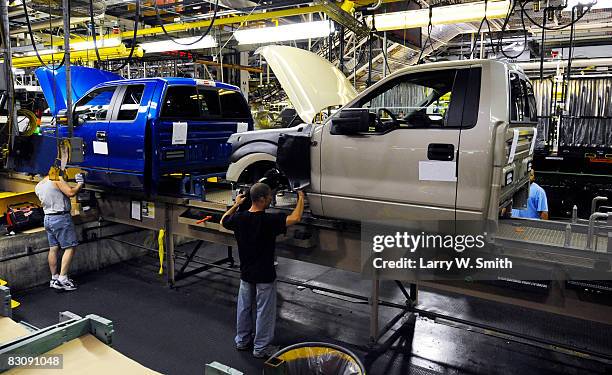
(255, 231)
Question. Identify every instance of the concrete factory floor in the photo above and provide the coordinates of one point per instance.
(178, 331)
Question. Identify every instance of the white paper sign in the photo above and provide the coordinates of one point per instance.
(179, 133)
(136, 212)
(100, 148)
(513, 146)
(533, 141)
(437, 171)
(242, 127)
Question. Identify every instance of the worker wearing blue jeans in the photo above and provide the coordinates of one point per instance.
(256, 231)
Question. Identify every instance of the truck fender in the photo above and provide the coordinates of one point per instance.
(236, 168)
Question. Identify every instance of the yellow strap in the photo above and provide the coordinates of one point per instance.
(160, 243)
(14, 304)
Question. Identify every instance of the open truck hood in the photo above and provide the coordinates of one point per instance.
(53, 83)
(311, 82)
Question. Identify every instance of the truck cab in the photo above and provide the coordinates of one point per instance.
(441, 141)
(138, 132)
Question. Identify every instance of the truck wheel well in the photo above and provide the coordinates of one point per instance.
(255, 171)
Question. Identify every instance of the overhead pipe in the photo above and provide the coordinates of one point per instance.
(576, 63)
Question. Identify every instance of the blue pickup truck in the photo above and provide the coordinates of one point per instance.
(138, 132)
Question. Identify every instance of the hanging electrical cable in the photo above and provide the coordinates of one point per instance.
(573, 22)
(503, 31)
(27, 17)
(133, 47)
(482, 22)
(93, 31)
(429, 29)
(161, 23)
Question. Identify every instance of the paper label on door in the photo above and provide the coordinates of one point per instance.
(242, 127)
(533, 141)
(437, 171)
(179, 133)
(100, 148)
(513, 146)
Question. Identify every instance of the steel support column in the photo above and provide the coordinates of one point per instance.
(66, 17)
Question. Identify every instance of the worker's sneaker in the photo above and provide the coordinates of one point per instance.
(266, 353)
(53, 278)
(55, 284)
(67, 284)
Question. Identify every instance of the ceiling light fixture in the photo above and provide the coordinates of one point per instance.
(451, 14)
(169, 45)
(100, 43)
(295, 31)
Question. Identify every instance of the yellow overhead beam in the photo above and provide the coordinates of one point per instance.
(220, 21)
(109, 53)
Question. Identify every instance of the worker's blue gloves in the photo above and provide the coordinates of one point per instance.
(79, 178)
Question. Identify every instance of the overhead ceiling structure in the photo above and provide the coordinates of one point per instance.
(376, 37)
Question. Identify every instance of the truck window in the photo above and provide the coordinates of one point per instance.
(233, 105)
(181, 102)
(130, 103)
(419, 100)
(209, 103)
(522, 100)
(94, 105)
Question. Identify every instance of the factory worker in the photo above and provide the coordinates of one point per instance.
(256, 231)
(537, 204)
(54, 194)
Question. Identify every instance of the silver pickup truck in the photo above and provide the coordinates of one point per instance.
(442, 141)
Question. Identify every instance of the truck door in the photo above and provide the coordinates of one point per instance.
(126, 136)
(405, 165)
(91, 116)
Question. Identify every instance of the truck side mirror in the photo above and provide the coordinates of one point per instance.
(351, 121)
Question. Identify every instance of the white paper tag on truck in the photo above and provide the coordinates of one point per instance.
(100, 148)
(242, 127)
(179, 133)
(437, 171)
(515, 138)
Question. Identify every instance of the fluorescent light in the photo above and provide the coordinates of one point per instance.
(451, 14)
(42, 52)
(296, 31)
(100, 43)
(169, 45)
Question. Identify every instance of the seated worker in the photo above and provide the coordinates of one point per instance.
(54, 195)
(537, 204)
(255, 231)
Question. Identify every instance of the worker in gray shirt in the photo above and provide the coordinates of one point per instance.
(54, 194)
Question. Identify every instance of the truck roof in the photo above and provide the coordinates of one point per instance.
(457, 63)
(172, 81)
